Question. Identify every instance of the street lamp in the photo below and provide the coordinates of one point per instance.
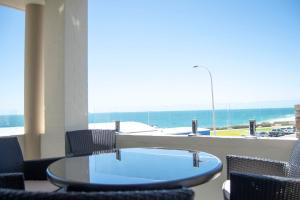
(212, 97)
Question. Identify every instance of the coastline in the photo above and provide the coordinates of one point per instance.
(172, 119)
(283, 119)
(144, 129)
(135, 127)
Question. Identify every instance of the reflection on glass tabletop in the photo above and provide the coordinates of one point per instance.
(137, 168)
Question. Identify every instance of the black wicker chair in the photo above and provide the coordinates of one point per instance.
(84, 142)
(175, 194)
(14, 170)
(256, 178)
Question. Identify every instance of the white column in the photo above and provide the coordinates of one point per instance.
(66, 72)
(33, 81)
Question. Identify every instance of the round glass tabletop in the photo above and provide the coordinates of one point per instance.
(136, 168)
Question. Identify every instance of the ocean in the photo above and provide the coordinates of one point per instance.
(171, 119)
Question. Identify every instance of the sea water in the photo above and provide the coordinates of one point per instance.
(170, 119)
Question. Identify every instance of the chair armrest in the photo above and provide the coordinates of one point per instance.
(36, 169)
(12, 180)
(252, 186)
(255, 165)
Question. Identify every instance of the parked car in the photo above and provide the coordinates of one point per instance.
(276, 132)
(289, 130)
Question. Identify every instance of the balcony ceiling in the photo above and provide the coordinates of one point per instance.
(19, 4)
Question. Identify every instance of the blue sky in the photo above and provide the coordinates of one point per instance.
(12, 30)
(141, 54)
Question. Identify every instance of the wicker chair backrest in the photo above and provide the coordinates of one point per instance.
(11, 158)
(84, 142)
(294, 161)
(104, 139)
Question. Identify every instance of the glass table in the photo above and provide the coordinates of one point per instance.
(136, 168)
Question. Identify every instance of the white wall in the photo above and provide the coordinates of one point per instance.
(278, 149)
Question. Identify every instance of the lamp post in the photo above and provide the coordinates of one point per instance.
(212, 97)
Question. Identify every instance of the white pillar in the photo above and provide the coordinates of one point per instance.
(66, 72)
(33, 81)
